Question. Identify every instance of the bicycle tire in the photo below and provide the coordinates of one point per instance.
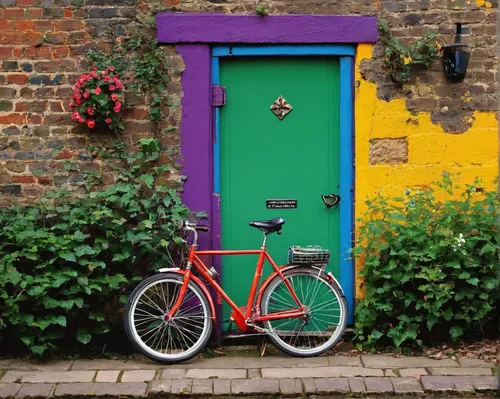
(327, 286)
(132, 319)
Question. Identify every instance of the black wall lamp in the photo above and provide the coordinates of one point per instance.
(456, 58)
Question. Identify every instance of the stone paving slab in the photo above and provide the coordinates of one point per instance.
(328, 385)
(320, 372)
(466, 362)
(382, 361)
(290, 386)
(263, 386)
(213, 373)
(378, 385)
(36, 390)
(261, 362)
(406, 385)
(463, 383)
(108, 364)
(8, 390)
(107, 376)
(48, 377)
(460, 371)
(138, 376)
(53, 365)
(101, 389)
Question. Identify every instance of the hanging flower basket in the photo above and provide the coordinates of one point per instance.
(98, 98)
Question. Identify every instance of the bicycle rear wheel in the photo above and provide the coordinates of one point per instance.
(168, 341)
(312, 336)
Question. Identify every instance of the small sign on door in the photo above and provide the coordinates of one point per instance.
(281, 204)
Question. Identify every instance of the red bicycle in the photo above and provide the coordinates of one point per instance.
(301, 307)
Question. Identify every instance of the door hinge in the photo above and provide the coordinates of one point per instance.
(218, 96)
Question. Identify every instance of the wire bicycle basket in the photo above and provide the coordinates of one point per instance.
(311, 254)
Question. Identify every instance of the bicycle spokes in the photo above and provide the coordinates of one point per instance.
(166, 334)
(323, 316)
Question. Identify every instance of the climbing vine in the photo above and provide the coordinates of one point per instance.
(399, 58)
(139, 59)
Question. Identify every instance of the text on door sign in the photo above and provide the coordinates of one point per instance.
(281, 204)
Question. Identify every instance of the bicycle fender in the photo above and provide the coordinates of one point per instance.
(198, 282)
(284, 269)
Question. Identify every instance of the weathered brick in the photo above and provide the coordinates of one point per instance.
(53, 12)
(101, 389)
(23, 179)
(68, 25)
(10, 66)
(15, 119)
(16, 166)
(388, 151)
(8, 92)
(46, 79)
(55, 66)
(31, 106)
(101, 13)
(44, 26)
(13, 189)
(17, 78)
(24, 25)
(56, 37)
(11, 131)
(6, 106)
(13, 13)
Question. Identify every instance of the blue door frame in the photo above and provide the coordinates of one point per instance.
(346, 55)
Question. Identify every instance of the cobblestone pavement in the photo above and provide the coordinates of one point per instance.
(366, 375)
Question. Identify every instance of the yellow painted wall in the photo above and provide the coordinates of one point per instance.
(431, 150)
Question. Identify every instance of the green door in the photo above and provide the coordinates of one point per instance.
(265, 158)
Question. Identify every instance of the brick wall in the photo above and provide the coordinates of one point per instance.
(42, 44)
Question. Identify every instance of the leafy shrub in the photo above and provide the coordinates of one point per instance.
(430, 266)
(66, 259)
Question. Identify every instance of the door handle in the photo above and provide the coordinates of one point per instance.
(330, 200)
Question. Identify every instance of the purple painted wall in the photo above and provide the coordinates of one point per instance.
(196, 130)
(224, 28)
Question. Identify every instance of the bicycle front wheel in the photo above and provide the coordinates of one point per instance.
(174, 340)
(327, 319)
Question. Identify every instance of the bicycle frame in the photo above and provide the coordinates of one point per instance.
(252, 312)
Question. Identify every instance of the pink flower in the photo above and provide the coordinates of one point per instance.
(93, 74)
(107, 79)
(83, 76)
(112, 87)
(97, 90)
(114, 97)
(78, 84)
(89, 78)
(111, 68)
(108, 120)
(91, 123)
(118, 104)
(90, 110)
(71, 104)
(77, 96)
(80, 120)
(104, 73)
(94, 68)
(115, 78)
(76, 90)
(78, 102)
(75, 115)
(119, 85)
(86, 94)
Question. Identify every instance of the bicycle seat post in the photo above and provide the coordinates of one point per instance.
(265, 240)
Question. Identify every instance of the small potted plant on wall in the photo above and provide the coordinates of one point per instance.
(98, 99)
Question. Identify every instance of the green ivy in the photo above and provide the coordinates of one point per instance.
(139, 58)
(400, 57)
(67, 258)
(430, 266)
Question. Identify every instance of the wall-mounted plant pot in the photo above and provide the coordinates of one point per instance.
(455, 61)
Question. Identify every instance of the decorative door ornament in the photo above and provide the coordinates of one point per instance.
(281, 108)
